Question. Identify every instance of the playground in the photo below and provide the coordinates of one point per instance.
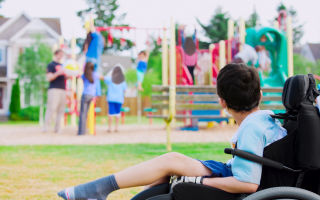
(166, 101)
(127, 134)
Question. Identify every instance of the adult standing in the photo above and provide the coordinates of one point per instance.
(248, 54)
(56, 92)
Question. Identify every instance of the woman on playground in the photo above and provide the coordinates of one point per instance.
(238, 87)
(90, 79)
(191, 55)
(115, 97)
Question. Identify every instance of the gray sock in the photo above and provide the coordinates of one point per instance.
(95, 190)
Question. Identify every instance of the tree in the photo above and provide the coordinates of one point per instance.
(15, 98)
(31, 68)
(218, 27)
(104, 10)
(297, 28)
(253, 19)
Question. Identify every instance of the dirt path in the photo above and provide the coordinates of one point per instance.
(32, 135)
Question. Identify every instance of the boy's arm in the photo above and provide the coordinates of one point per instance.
(231, 185)
(92, 27)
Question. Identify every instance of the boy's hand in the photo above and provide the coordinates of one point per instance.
(185, 179)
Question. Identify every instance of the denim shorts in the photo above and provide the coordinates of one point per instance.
(218, 169)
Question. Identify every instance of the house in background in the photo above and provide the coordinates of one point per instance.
(15, 34)
(311, 52)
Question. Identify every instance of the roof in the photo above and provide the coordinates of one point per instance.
(3, 20)
(315, 49)
(54, 23)
(297, 50)
(9, 27)
(109, 61)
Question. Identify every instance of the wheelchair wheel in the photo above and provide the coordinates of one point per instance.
(283, 193)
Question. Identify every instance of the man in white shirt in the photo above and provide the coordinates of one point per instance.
(247, 54)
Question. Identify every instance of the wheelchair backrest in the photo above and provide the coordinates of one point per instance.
(298, 97)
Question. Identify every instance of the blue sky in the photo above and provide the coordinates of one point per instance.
(153, 13)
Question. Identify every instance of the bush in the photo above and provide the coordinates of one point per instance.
(30, 113)
(15, 99)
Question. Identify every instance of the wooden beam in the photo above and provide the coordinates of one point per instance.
(203, 97)
(190, 116)
(205, 89)
(211, 106)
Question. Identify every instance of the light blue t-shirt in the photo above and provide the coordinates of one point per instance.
(90, 88)
(115, 91)
(257, 131)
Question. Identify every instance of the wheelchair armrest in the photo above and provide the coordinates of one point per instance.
(258, 159)
(254, 158)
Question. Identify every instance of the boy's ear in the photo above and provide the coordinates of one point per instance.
(260, 95)
(223, 103)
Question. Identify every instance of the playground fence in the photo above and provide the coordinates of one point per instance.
(130, 102)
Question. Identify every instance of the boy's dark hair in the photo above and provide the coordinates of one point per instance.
(57, 51)
(143, 53)
(239, 86)
(117, 76)
(88, 70)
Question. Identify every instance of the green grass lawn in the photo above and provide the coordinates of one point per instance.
(38, 172)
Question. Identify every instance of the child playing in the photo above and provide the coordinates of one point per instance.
(116, 87)
(238, 87)
(142, 67)
(90, 78)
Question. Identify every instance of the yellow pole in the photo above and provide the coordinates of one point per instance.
(276, 24)
(242, 32)
(290, 46)
(230, 36)
(222, 54)
(73, 84)
(172, 88)
(164, 63)
(90, 118)
(211, 47)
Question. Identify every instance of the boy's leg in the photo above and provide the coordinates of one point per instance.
(110, 122)
(142, 174)
(166, 165)
(117, 122)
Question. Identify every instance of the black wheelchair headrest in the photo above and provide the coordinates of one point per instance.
(297, 90)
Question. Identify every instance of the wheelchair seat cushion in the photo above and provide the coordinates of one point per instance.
(188, 191)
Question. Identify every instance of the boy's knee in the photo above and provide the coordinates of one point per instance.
(172, 157)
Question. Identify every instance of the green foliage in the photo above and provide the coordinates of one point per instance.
(105, 11)
(253, 19)
(31, 68)
(305, 66)
(15, 99)
(218, 27)
(131, 77)
(151, 78)
(30, 113)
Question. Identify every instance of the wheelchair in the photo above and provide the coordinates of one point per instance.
(291, 165)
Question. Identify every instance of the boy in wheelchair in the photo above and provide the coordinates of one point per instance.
(238, 87)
